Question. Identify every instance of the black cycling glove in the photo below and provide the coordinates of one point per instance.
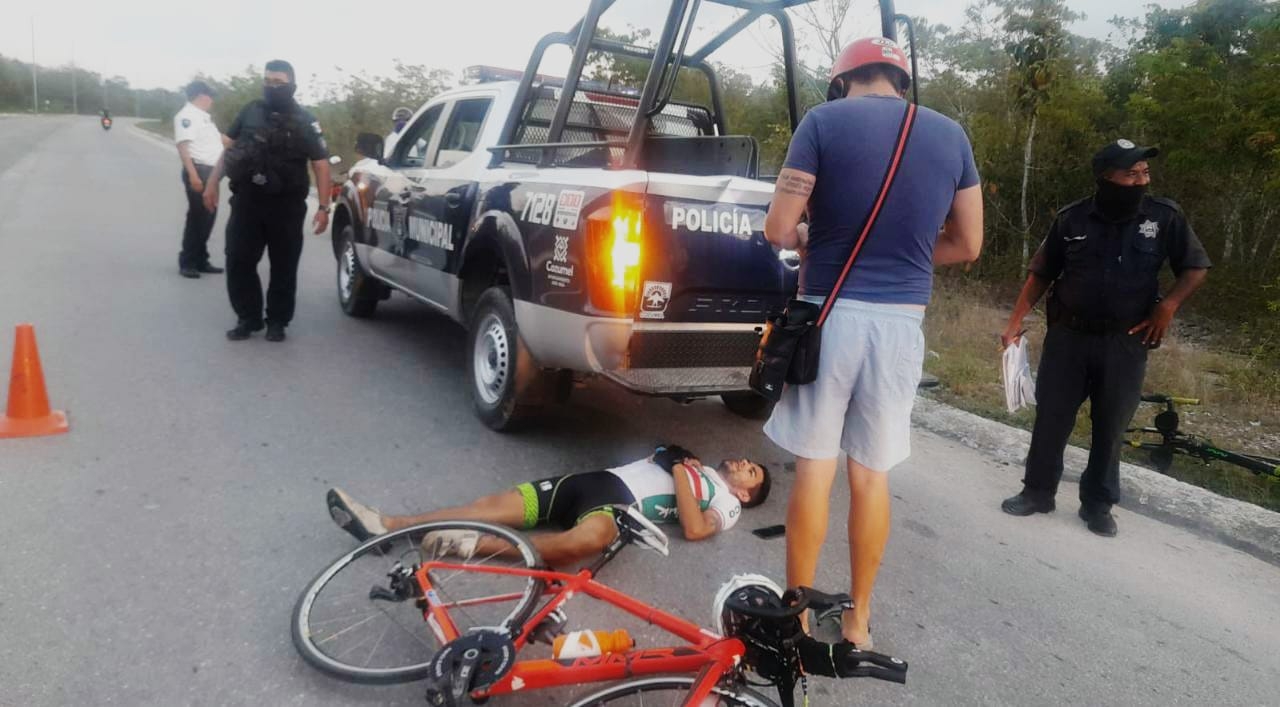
(667, 456)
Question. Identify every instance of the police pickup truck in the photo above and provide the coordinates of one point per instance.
(578, 229)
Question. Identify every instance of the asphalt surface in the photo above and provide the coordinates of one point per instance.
(152, 555)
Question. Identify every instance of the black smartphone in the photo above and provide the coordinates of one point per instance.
(770, 531)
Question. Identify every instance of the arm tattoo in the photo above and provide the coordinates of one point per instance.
(796, 184)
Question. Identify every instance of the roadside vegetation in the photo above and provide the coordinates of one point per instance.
(1037, 101)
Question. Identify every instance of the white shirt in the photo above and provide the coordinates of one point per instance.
(195, 127)
(655, 492)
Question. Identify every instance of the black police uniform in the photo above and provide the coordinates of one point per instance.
(1104, 276)
(267, 167)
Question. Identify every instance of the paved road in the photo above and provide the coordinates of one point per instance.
(152, 555)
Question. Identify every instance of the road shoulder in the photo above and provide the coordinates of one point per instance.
(1244, 526)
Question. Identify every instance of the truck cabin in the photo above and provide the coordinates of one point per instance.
(577, 122)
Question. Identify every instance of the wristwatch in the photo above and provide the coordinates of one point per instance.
(324, 208)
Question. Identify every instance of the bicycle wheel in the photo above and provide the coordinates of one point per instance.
(670, 692)
(341, 629)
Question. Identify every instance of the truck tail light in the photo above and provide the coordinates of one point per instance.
(614, 237)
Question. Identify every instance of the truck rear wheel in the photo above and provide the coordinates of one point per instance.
(748, 405)
(358, 292)
(505, 382)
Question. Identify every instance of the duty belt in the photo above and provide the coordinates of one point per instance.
(1086, 325)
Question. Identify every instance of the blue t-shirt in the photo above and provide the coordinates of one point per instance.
(847, 145)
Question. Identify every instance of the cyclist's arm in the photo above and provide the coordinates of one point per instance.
(697, 524)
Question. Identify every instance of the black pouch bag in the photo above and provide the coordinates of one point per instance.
(790, 339)
(791, 346)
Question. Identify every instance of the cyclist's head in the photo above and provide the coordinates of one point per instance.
(749, 480)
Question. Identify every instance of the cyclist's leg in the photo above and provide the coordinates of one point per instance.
(504, 508)
(583, 541)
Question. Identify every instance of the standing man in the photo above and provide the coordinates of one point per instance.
(399, 118)
(274, 138)
(199, 148)
(872, 345)
(1101, 259)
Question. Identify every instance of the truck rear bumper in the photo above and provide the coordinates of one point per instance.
(679, 382)
(668, 359)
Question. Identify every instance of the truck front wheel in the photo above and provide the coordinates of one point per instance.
(504, 378)
(358, 292)
(748, 405)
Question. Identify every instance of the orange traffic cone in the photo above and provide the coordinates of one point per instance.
(28, 414)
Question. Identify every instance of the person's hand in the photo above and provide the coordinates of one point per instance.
(802, 239)
(211, 197)
(321, 221)
(197, 184)
(1011, 334)
(1156, 325)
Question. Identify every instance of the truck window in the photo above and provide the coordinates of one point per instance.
(463, 130)
(411, 149)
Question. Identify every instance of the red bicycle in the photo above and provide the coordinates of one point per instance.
(481, 612)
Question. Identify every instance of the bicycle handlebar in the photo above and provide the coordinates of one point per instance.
(1162, 398)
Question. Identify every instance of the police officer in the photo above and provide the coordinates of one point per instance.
(1100, 264)
(274, 138)
(399, 118)
(199, 148)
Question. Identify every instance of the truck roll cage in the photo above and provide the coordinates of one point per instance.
(666, 59)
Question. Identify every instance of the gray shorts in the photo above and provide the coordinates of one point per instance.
(871, 362)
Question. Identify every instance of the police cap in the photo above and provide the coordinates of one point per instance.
(1121, 154)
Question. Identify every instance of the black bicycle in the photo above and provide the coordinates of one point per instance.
(1172, 441)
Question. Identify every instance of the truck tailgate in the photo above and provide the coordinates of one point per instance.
(712, 264)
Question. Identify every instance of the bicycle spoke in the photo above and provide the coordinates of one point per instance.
(374, 650)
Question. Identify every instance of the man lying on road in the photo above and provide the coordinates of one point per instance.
(670, 486)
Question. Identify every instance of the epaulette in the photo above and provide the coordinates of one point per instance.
(1164, 201)
(1074, 204)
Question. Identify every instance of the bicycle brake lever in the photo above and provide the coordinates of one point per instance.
(377, 593)
(880, 674)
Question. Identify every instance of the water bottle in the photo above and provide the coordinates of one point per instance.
(582, 644)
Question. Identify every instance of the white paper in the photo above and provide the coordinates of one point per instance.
(1019, 386)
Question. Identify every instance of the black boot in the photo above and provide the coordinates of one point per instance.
(210, 269)
(243, 329)
(1024, 505)
(275, 332)
(1099, 520)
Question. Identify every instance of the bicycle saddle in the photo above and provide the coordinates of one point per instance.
(632, 523)
(469, 663)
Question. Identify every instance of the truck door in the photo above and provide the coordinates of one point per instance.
(389, 212)
(442, 204)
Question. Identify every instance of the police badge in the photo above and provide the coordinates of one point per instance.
(1149, 229)
(186, 122)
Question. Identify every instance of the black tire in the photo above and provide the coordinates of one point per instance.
(748, 405)
(358, 292)
(668, 692)
(506, 385)
(383, 550)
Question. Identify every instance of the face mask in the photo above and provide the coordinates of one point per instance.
(279, 98)
(1116, 201)
(399, 125)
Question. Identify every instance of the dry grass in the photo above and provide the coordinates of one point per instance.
(1241, 395)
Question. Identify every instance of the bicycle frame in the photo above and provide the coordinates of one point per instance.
(706, 653)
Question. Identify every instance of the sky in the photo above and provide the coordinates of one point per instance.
(163, 43)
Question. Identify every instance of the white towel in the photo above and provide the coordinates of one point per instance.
(1019, 387)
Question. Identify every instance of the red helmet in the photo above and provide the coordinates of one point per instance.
(866, 52)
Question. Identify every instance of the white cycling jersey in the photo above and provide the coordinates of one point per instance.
(655, 492)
